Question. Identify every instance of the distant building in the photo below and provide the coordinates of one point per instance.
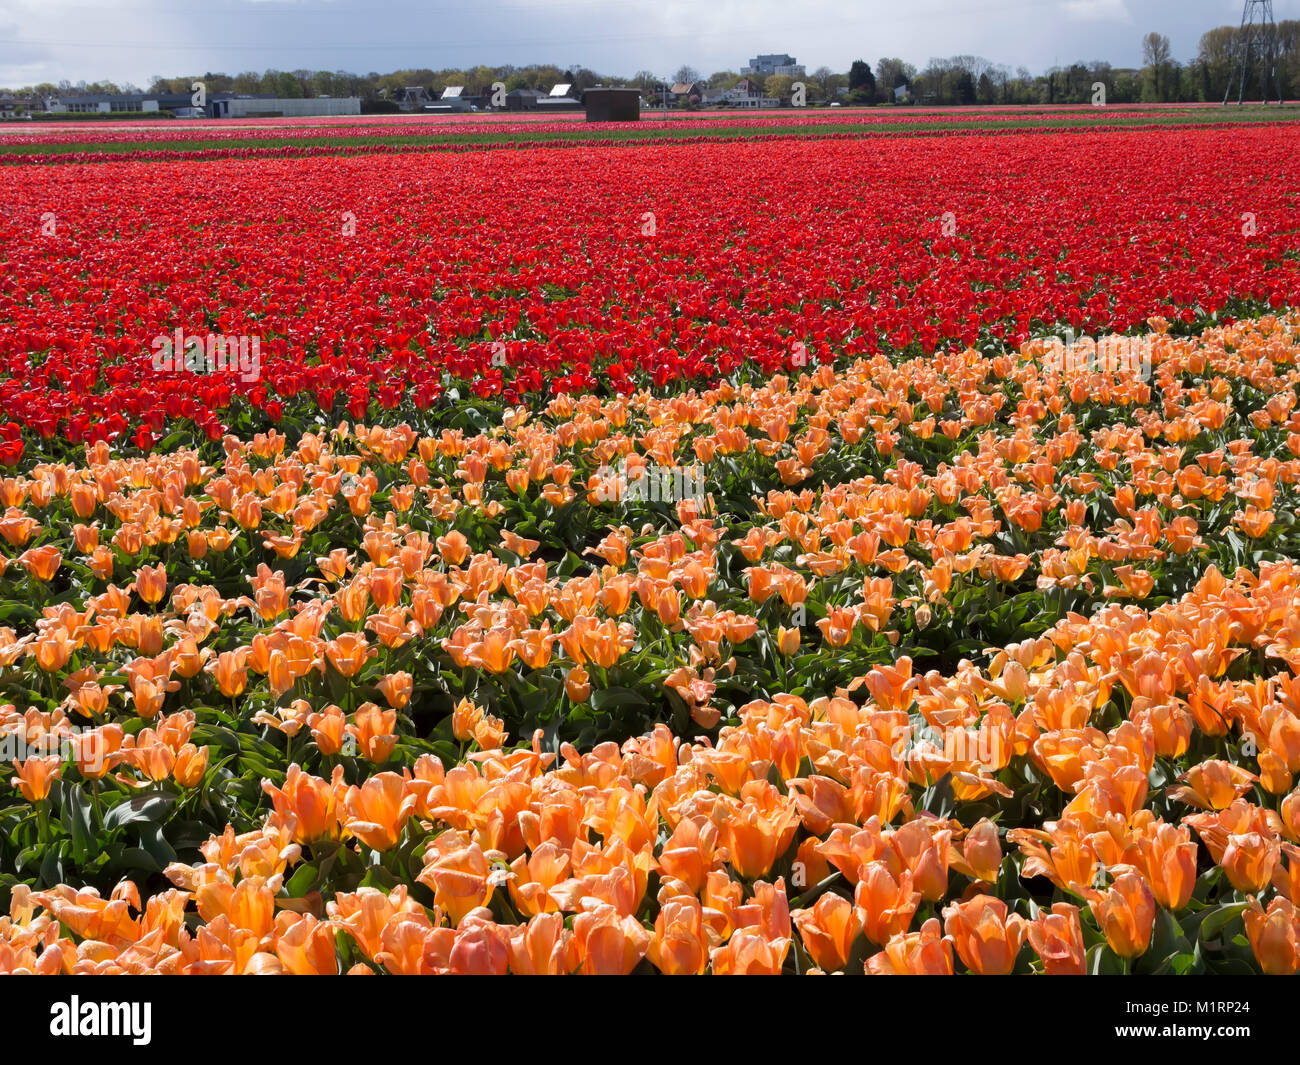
(522, 99)
(612, 105)
(453, 101)
(17, 106)
(682, 91)
(106, 104)
(747, 92)
(414, 98)
(559, 100)
(255, 105)
(764, 66)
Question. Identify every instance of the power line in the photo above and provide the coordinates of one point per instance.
(1258, 33)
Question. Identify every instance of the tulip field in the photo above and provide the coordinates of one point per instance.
(789, 548)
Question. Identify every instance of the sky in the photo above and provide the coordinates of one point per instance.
(131, 41)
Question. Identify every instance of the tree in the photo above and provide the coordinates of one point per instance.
(1156, 54)
(860, 76)
(1214, 59)
(778, 85)
(686, 74)
(892, 74)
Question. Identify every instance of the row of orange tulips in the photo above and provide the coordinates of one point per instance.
(335, 636)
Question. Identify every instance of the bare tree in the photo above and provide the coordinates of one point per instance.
(1155, 57)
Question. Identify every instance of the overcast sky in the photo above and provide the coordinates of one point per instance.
(47, 40)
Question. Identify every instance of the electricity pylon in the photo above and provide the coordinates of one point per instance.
(1258, 37)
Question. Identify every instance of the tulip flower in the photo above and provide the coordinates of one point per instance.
(986, 939)
(1126, 913)
(884, 905)
(377, 811)
(828, 930)
(35, 776)
(921, 953)
(1057, 938)
(1274, 936)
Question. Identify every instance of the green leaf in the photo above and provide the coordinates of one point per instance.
(147, 806)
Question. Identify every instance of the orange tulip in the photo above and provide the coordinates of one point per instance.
(1126, 913)
(1249, 860)
(396, 688)
(542, 947)
(680, 944)
(981, 852)
(1057, 938)
(453, 547)
(749, 953)
(348, 652)
(151, 583)
(828, 930)
(1274, 936)
(481, 947)
(378, 810)
(375, 731)
(535, 876)
(606, 943)
(459, 874)
(230, 672)
(987, 940)
(309, 803)
(1168, 858)
(921, 953)
(759, 828)
(41, 563)
(884, 906)
(191, 765)
(306, 946)
(1214, 784)
(35, 776)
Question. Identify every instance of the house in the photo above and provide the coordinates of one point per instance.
(414, 98)
(682, 91)
(15, 106)
(747, 92)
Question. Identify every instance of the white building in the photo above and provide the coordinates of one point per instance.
(748, 93)
(277, 107)
(763, 66)
(104, 104)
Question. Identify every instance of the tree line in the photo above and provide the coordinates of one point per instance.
(957, 80)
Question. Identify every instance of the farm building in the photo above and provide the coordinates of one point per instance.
(229, 105)
(612, 105)
(559, 100)
(105, 104)
(522, 99)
